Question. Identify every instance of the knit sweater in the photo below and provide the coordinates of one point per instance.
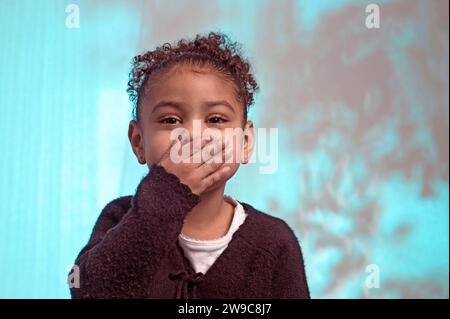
(133, 251)
(203, 253)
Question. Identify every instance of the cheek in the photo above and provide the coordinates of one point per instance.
(238, 144)
(156, 144)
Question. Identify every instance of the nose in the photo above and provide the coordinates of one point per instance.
(199, 132)
(195, 128)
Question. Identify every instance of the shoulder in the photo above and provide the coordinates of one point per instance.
(267, 232)
(116, 208)
(111, 214)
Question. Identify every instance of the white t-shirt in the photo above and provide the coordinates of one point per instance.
(203, 253)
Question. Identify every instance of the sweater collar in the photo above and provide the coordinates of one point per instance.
(188, 277)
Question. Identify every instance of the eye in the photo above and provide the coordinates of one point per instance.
(169, 120)
(217, 119)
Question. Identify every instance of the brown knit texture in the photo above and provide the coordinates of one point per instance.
(133, 251)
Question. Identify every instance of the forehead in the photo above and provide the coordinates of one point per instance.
(191, 84)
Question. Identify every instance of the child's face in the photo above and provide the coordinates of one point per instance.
(177, 98)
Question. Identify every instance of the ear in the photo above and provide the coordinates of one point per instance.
(136, 140)
(248, 143)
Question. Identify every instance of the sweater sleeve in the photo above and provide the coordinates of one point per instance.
(289, 278)
(121, 255)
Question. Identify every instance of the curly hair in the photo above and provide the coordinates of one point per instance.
(215, 50)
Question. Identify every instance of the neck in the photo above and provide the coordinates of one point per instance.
(212, 210)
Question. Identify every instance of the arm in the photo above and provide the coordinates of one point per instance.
(118, 258)
(289, 279)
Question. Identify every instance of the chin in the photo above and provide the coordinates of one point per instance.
(213, 188)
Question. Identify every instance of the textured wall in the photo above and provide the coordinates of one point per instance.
(362, 116)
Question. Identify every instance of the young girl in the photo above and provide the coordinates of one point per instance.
(179, 236)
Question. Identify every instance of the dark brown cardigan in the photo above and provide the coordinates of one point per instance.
(133, 251)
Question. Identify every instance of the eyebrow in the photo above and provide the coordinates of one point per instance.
(165, 103)
(179, 105)
(220, 102)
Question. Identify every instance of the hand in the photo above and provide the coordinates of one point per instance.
(199, 176)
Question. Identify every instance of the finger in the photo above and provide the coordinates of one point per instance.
(217, 147)
(216, 162)
(200, 142)
(208, 141)
(221, 174)
(166, 155)
(195, 155)
(200, 156)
